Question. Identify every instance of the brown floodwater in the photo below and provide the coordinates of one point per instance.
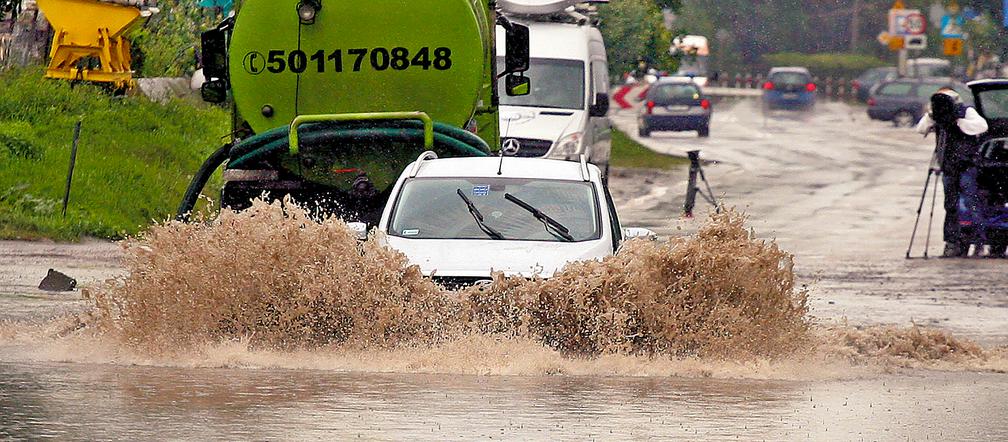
(102, 401)
(216, 332)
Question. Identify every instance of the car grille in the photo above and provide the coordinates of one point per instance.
(531, 148)
(458, 282)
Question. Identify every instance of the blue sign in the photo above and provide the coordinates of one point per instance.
(481, 190)
(952, 26)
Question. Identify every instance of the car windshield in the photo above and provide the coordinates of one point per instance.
(672, 92)
(790, 78)
(555, 83)
(431, 208)
(994, 103)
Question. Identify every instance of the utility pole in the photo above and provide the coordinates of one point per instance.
(855, 26)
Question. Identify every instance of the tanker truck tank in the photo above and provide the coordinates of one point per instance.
(331, 99)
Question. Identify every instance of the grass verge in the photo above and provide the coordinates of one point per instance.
(134, 161)
(628, 153)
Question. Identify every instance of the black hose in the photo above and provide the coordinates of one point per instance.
(199, 181)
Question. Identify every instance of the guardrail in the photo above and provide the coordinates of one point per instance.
(738, 86)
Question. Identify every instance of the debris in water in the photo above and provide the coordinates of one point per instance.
(57, 282)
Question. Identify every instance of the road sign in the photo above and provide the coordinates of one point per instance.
(915, 42)
(952, 46)
(952, 26)
(907, 22)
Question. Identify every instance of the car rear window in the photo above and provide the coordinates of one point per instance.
(895, 89)
(994, 103)
(790, 78)
(668, 92)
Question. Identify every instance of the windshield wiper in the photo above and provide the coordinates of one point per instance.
(559, 230)
(479, 217)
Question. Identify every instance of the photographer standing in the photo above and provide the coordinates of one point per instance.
(956, 127)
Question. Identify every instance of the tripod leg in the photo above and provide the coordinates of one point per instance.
(710, 193)
(919, 208)
(934, 196)
(691, 188)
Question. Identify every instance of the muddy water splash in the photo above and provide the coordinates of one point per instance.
(274, 279)
(270, 288)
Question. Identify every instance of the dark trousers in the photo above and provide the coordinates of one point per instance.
(950, 180)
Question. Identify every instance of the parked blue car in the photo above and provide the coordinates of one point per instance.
(789, 88)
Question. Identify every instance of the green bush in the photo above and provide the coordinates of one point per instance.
(135, 159)
(828, 64)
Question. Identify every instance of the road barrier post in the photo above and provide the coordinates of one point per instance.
(73, 161)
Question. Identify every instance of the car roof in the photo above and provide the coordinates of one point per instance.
(677, 79)
(512, 167)
(989, 83)
(943, 81)
(794, 69)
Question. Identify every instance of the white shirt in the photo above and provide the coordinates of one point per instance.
(971, 124)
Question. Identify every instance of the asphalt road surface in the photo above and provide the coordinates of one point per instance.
(840, 192)
(837, 190)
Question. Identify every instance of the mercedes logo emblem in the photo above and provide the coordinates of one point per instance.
(511, 146)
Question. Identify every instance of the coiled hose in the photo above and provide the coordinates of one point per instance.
(447, 139)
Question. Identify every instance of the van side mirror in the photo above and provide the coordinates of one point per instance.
(601, 106)
(517, 85)
(516, 49)
(214, 54)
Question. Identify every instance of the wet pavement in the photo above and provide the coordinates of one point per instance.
(837, 190)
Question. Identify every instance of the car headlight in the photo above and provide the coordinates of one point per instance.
(569, 145)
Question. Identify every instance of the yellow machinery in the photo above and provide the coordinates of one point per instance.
(89, 42)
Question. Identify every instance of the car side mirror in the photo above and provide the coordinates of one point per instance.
(517, 85)
(516, 49)
(601, 106)
(359, 230)
(214, 91)
(639, 232)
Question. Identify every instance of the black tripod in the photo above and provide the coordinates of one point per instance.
(933, 169)
(692, 189)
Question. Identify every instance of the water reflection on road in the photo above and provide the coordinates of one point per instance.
(82, 401)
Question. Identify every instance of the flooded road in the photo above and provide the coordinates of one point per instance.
(836, 190)
(111, 402)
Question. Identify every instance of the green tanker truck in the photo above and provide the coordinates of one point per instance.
(332, 98)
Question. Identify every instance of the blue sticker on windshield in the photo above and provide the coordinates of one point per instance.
(481, 190)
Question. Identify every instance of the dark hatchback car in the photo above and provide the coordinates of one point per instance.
(905, 101)
(675, 104)
(867, 81)
(789, 88)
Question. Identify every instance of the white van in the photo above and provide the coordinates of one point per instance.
(564, 116)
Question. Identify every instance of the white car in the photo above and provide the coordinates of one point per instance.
(460, 219)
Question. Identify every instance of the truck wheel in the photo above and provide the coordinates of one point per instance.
(704, 132)
(644, 131)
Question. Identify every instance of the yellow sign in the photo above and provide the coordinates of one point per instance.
(896, 42)
(952, 46)
(898, 4)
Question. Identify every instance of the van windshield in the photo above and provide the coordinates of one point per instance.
(431, 208)
(555, 83)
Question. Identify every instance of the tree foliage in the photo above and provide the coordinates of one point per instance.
(634, 30)
(168, 45)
